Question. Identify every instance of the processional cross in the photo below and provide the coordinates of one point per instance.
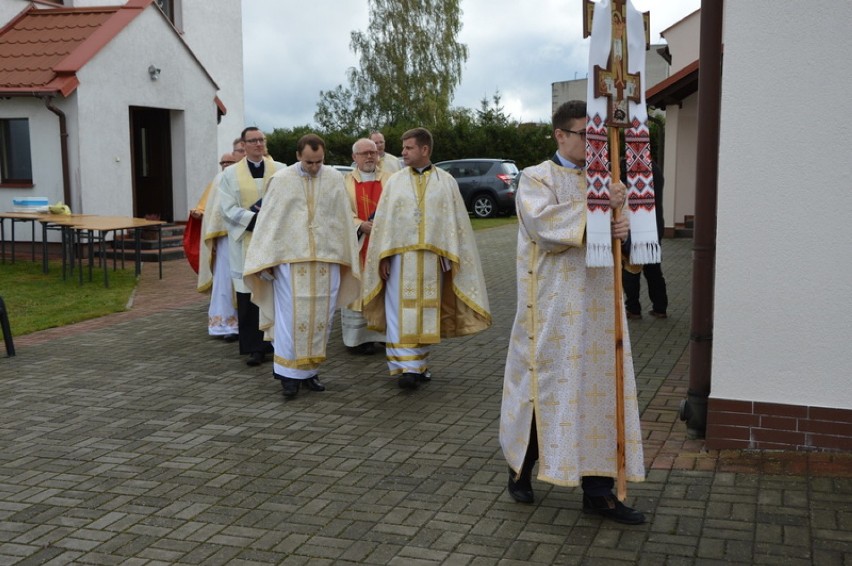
(619, 87)
(615, 82)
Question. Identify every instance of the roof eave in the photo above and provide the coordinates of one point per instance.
(674, 89)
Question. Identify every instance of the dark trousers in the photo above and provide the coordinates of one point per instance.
(248, 316)
(656, 288)
(593, 486)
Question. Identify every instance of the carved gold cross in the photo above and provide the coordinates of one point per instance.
(614, 82)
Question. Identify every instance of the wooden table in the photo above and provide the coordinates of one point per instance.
(77, 227)
(106, 224)
(47, 221)
(30, 217)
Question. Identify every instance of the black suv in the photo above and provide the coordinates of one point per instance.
(486, 185)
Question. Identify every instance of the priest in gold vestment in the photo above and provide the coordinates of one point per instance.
(302, 263)
(423, 280)
(559, 384)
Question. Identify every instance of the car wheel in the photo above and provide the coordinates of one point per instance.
(484, 206)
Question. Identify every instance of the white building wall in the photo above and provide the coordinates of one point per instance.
(104, 123)
(681, 185)
(213, 29)
(783, 269)
(11, 8)
(683, 39)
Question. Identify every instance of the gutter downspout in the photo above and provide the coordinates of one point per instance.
(694, 407)
(63, 144)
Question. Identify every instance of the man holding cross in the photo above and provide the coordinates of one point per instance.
(558, 389)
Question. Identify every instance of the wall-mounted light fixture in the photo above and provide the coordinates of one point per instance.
(153, 72)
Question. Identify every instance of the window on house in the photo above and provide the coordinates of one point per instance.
(16, 166)
(171, 8)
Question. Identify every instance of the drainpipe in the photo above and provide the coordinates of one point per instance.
(63, 144)
(659, 157)
(694, 407)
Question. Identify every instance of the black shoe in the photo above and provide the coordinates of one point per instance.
(520, 490)
(290, 386)
(408, 381)
(365, 349)
(424, 377)
(313, 383)
(608, 507)
(256, 358)
(231, 337)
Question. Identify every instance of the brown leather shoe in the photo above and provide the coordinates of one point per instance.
(656, 314)
(634, 315)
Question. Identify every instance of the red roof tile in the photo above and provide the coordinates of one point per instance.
(42, 49)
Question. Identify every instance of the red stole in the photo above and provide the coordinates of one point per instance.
(367, 195)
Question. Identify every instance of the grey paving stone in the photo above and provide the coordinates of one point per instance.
(154, 444)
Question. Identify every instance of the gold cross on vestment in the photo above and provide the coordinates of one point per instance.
(596, 395)
(615, 82)
(595, 309)
(596, 352)
(570, 312)
(574, 357)
(595, 436)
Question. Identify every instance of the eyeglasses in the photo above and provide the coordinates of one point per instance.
(227, 162)
(581, 133)
(255, 140)
(366, 153)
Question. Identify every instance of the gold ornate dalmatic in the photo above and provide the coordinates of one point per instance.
(423, 219)
(305, 222)
(560, 361)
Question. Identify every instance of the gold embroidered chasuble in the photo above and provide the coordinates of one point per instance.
(305, 222)
(213, 226)
(422, 218)
(238, 190)
(561, 359)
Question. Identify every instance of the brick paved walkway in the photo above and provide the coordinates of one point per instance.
(136, 439)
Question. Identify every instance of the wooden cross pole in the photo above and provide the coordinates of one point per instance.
(619, 87)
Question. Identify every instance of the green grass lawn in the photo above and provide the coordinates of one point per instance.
(37, 301)
(482, 223)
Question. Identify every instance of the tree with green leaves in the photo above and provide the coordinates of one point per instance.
(410, 63)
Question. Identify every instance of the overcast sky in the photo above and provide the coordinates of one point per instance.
(293, 50)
